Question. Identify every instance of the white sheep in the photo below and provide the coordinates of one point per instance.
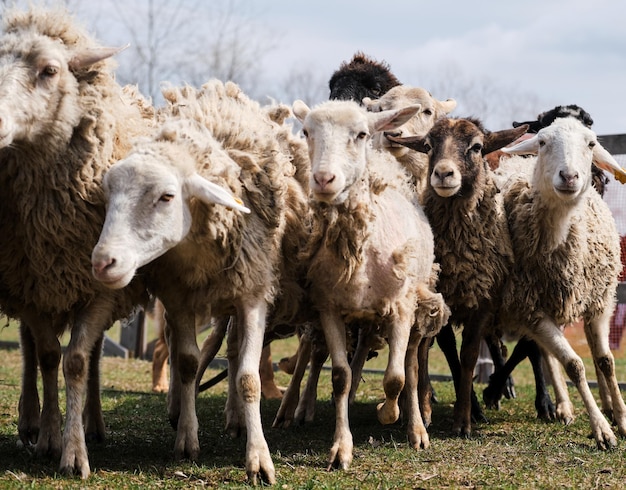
(567, 259)
(203, 260)
(370, 256)
(63, 121)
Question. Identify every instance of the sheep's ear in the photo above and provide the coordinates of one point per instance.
(392, 119)
(526, 147)
(448, 105)
(88, 57)
(300, 110)
(209, 193)
(497, 139)
(417, 143)
(604, 160)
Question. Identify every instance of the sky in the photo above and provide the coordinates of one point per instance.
(562, 51)
(557, 51)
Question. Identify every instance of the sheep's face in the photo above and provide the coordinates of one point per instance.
(455, 156)
(148, 212)
(337, 135)
(35, 86)
(565, 152)
(456, 149)
(430, 109)
(39, 93)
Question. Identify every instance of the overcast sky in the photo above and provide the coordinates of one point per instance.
(560, 51)
(564, 51)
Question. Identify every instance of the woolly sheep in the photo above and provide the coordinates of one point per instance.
(64, 120)
(370, 256)
(362, 78)
(527, 347)
(471, 236)
(200, 259)
(567, 259)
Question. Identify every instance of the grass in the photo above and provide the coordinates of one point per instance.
(514, 450)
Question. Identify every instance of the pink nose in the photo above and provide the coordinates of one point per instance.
(99, 266)
(322, 179)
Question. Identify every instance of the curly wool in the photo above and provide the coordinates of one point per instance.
(239, 150)
(472, 246)
(571, 280)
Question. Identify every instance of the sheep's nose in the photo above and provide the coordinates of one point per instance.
(568, 178)
(101, 264)
(443, 174)
(322, 179)
(395, 134)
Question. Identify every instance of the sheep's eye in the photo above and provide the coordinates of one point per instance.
(476, 148)
(361, 136)
(592, 144)
(49, 71)
(542, 143)
(305, 133)
(166, 197)
(428, 112)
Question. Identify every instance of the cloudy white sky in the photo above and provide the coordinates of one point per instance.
(557, 51)
(563, 51)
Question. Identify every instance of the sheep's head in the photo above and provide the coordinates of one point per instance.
(148, 213)
(38, 85)
(361, 77)
(456, 148)
(565, 153)
(337, 135)
(400, 96)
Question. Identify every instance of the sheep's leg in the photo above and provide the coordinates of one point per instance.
(416, 430)
(28, 424)
(359, 357)
(269, 390)
(495, 346)
(286, 411)
(93, 420)
(305, 412)
(48, 349)
(233, 409)
(251, 325)
(552, 338)
(543, 403)
(424, 388)
(87, 330)
(462, 424)
(161, 351)
(211, 346)
(603, 383)
(335, 335)
(184, 354)
(597, 332)
(388, 411)
(564, 406)
(447, 342)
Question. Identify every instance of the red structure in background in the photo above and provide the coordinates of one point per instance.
(618, 320)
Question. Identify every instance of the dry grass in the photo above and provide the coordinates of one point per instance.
(514, 450)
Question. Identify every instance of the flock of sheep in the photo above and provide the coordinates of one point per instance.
(382, 225)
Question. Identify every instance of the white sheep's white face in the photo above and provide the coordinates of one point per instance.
(147, 213)
(38, 91)
(338, 135)
(565, 151)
